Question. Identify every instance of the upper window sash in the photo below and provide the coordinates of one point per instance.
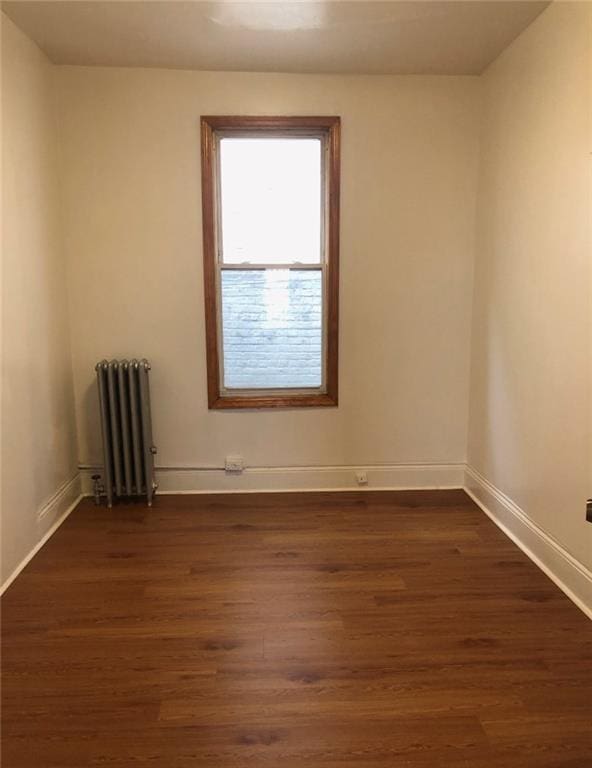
(270, 204)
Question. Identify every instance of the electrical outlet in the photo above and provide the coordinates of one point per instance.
(361, 478)
(234, 464)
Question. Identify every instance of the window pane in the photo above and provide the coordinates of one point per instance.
(271, 326)
(270, 200)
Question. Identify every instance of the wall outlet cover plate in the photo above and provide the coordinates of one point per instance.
(234, 464)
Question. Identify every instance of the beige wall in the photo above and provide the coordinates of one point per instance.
(131, 170)
(530, 385)
(38, 429)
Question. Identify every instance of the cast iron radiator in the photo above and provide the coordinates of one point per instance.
(126, 426)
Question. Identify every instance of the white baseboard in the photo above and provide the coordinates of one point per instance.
(571, 576)
(61, 500)
(396, 477)
(49, 518)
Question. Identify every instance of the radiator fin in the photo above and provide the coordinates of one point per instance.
(115, 430)
(135, 421)
(146, 421)
(125, 427)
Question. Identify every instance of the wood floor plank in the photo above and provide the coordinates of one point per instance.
(345, 630)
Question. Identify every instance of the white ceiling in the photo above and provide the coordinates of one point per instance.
(420, 37)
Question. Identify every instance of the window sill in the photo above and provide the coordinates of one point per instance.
(272, 401)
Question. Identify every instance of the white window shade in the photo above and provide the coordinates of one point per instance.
(270, 200)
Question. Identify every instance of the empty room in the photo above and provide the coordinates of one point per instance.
(296, 414)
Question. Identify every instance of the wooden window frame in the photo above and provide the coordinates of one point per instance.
(327, 128)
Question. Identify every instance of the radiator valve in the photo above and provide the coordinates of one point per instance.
(98, 489)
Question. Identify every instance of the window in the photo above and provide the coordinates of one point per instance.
(270, 196)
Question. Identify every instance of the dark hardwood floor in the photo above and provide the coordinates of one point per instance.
(317, 630)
